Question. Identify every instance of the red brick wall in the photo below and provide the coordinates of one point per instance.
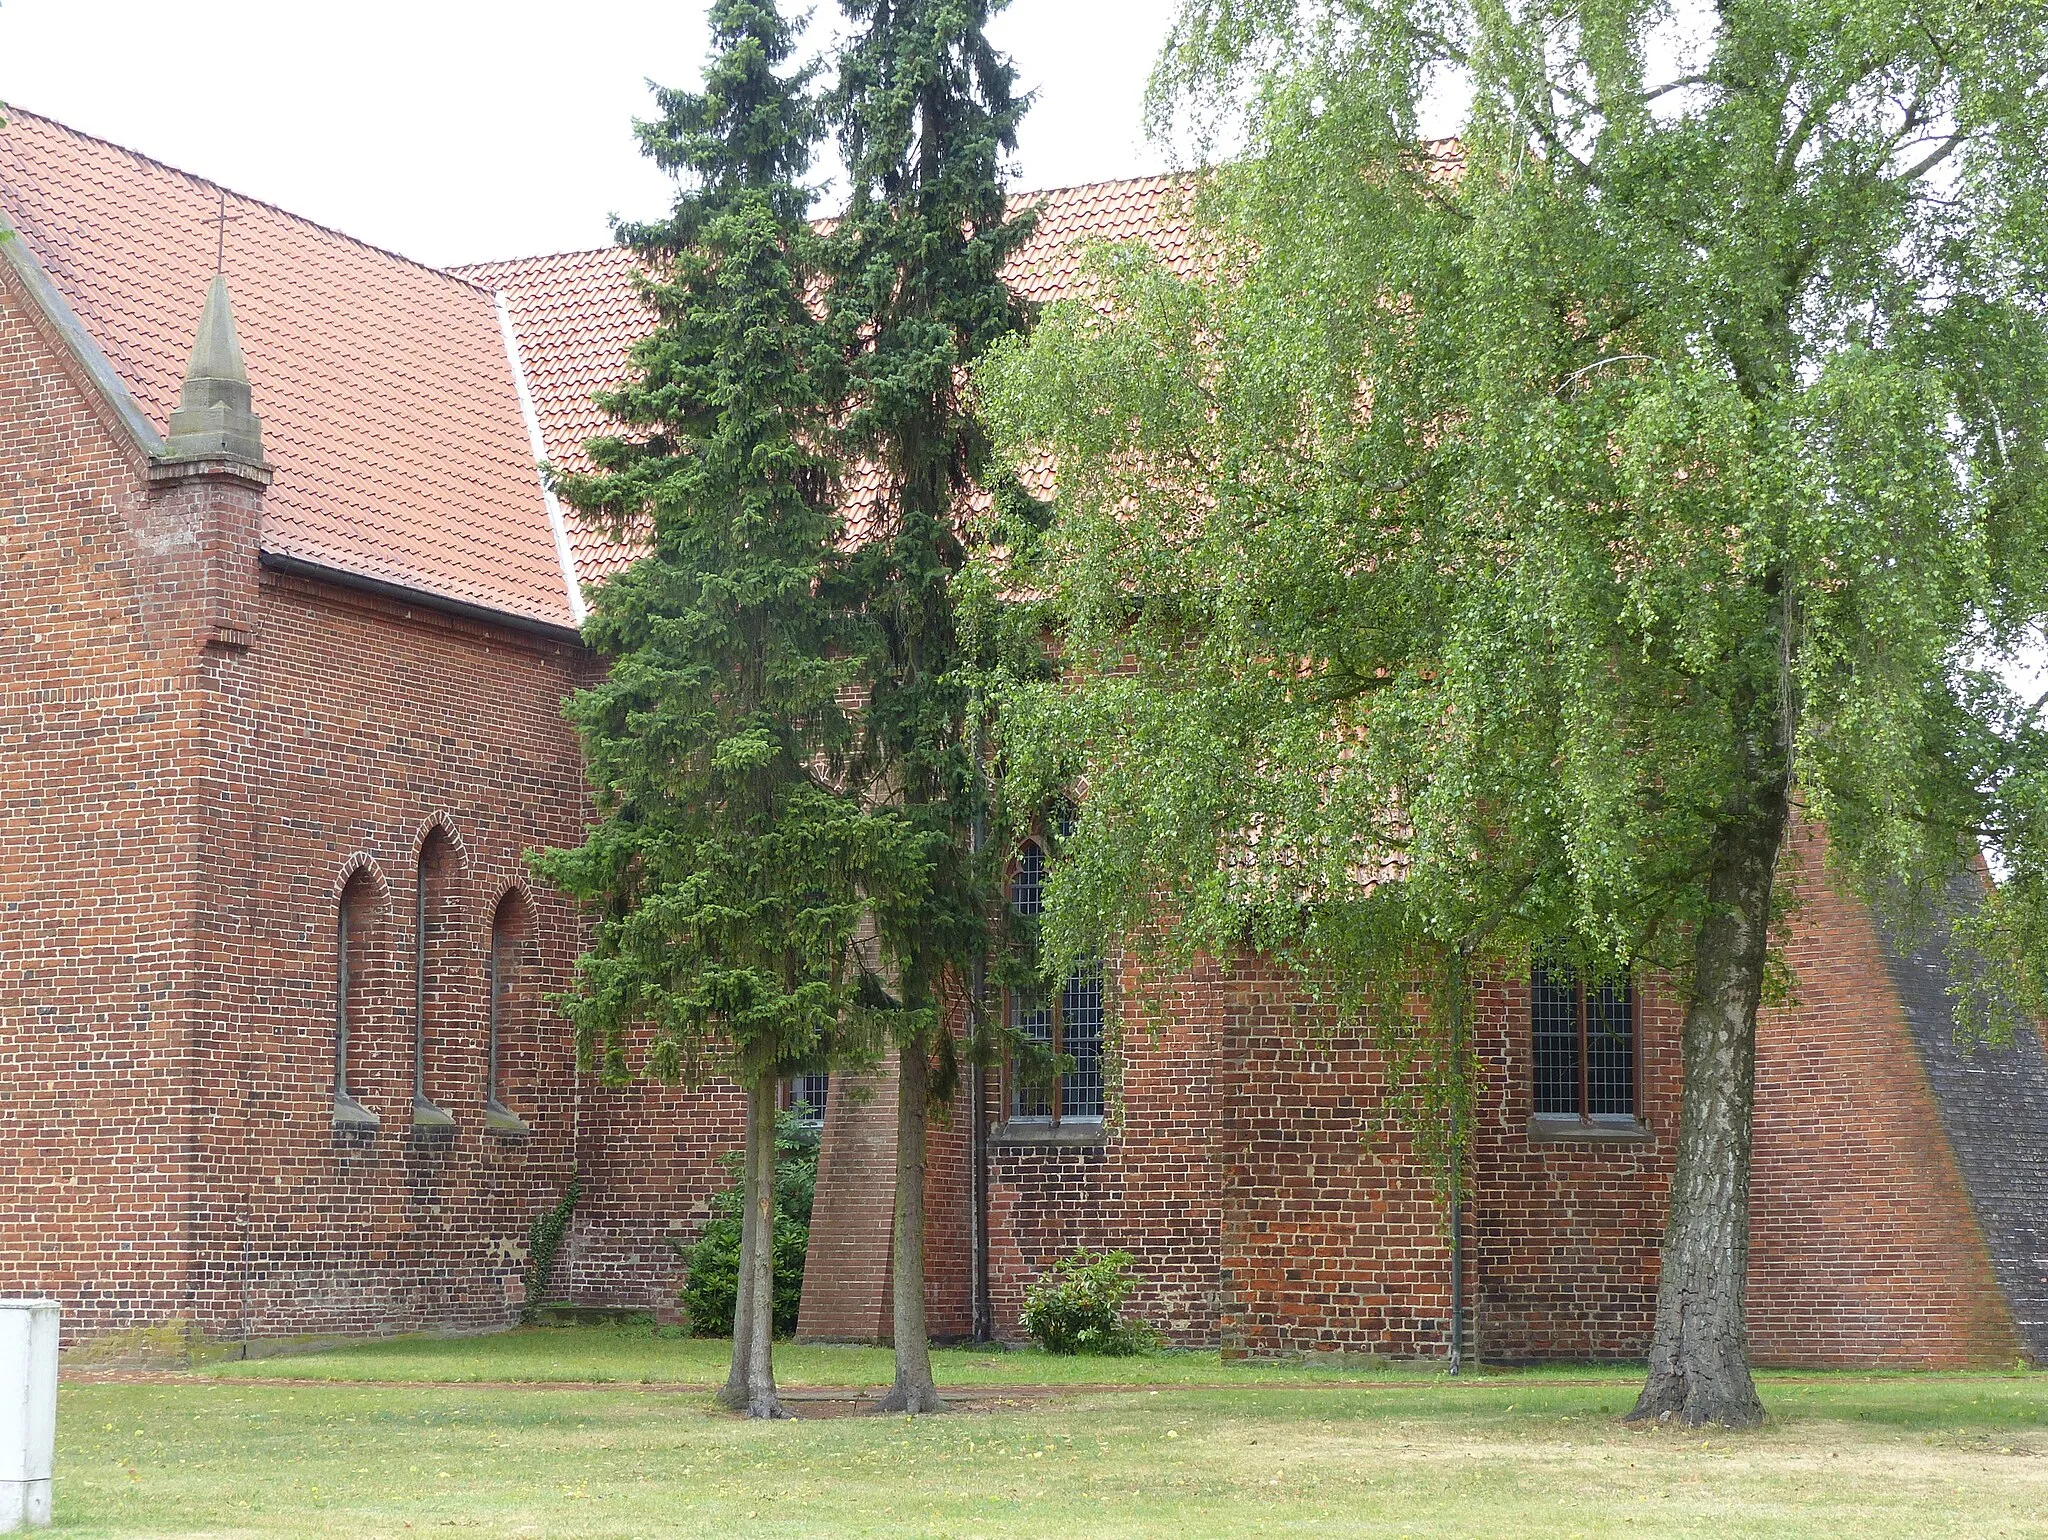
(650, 1161)
(847, 1269)
(97, 853)
(1156, 1189)
(1239, 1175)
(948, 1275)
(350, 734)
(1865, 1249)
(1329, 1242)
(1563, 1236)
(1264, 1221)
(848, 1272)
(194, 758)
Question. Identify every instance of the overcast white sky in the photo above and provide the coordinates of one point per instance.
(462, 130)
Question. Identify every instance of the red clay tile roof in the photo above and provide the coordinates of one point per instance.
(389, 409)
(576, 315)
(390, 412)
(1150, 209)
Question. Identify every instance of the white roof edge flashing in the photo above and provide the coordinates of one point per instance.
(558, 523)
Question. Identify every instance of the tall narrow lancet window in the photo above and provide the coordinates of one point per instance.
(1069, 1025)
(432, 923)
(506, 1040)
(1583, 1045)
(354, 914)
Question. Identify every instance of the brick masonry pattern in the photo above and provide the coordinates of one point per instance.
(196, 760)
(178, 820)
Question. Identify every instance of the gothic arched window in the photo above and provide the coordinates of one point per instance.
(433, 978)
(509, 1047)
(354, 918)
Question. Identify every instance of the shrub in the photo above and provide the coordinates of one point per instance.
(1076, 1306)
(711, 1287)
(711, 1279)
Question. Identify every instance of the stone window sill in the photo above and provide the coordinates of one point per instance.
(429, 1119)
(1555, 1130)
(1078, 1131)
(351, 1116)
(503, 1122)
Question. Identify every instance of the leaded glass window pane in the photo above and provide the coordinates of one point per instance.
(1033, 1020)
(1610, 1050)
(1029, 1014)
(807, 1095)
(1081, 1018)
(1554, 1037)
(1027, 887)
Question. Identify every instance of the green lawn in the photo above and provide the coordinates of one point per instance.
(636, 1355)
(211, 1453)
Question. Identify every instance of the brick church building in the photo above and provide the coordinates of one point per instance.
(288, 620)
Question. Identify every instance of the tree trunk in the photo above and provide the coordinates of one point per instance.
(734, 1393)
(762, 1401)
(914, 1390)
(1699, 1355)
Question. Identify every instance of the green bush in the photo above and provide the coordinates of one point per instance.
(710, 1292)
(1076, 1306)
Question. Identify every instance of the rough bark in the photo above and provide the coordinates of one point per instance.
(762, 1400)
(914, 1390)
(1699, 1354)
(734, 1392)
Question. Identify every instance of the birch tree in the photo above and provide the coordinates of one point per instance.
(1499, 546)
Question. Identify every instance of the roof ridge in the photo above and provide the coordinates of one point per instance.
(449, 273)
(538, 256)
(1015, 197)
(1114, 181)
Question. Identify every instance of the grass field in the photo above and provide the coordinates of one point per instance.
(636, 1355)
(1194, 1449)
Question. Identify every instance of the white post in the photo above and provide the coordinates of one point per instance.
(28, 1410)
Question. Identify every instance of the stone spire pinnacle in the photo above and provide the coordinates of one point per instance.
(213, 420)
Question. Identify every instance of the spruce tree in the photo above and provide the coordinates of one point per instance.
(926, 110)
(732, 846)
